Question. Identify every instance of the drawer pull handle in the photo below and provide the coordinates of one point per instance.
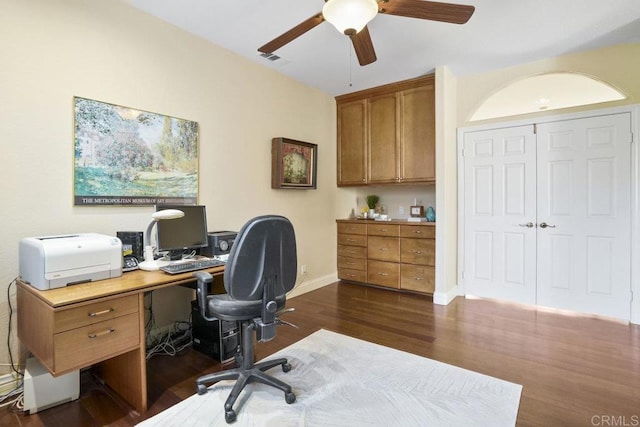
(384, 249)
(105, 332)
(417, 252)
(418, 278)
(350, 263)
(350, 240)
(417, 231)
(98, 313)
(383, 274)
(382, 230)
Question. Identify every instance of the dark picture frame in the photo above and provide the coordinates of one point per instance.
(294, 164)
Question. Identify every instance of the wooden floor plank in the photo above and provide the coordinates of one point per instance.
(575, 369)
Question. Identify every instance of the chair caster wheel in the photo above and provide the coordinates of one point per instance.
(286, 367)
(289, 398)
(201, 388)
(230, 416)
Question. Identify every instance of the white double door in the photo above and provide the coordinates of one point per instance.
(547, 214)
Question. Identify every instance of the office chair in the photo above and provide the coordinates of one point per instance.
(261, 268)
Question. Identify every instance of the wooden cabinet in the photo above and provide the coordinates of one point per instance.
(382, 152)
(78, 336)
(352, 252)
(386, 135)
(352, 127)
(417, 258)
(391, 254)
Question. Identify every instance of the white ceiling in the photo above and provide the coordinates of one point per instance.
(500, 33)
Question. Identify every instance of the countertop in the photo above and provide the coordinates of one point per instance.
(393, 221)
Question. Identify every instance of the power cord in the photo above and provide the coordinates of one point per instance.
(18, 391)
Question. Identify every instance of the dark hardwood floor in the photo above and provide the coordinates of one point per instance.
(576, 370)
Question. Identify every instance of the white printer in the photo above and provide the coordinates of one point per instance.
(51, 262)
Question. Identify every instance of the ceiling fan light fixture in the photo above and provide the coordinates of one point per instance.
(349, 16)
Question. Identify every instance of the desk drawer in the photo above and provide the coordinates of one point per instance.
(352, 263)
(352, 251)
(94, 313)
(352, 239)
(354, 275)
(418, 231)
(382, 229)
(383, 274)
(94, 343)
(418, 251)
(350, 228)
(384, 248)
(417, 278)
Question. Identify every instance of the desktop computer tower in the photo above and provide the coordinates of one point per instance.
(219, 339)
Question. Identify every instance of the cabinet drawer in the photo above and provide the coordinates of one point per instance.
(351, 228)
(417, 278)
(420, 231)
(354, 275)
(383, 274)
(384, 248)
(418, 251)
(94, 343)
(382, 229)
(352, 251)
(352, 263)
(352, 239)
(93, 313)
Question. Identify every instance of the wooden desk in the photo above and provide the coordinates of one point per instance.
(100, 323)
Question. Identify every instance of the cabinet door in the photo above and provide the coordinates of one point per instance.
(417, 134)
(383, 139)
(352, 143)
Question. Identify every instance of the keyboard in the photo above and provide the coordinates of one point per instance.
(186, 266)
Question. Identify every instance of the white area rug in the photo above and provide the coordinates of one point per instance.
(343, 381)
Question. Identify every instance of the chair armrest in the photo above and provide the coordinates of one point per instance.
(202, 290)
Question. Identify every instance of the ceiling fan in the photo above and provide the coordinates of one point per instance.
(352, 16)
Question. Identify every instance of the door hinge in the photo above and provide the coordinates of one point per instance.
(535, 129)
(462, 274)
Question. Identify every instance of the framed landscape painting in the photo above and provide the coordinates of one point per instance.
(124, 156)
(293, 164)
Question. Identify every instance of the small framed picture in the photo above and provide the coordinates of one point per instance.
(293, 164)
(416, 211)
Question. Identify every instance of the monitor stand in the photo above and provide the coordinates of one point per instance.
(175, 255)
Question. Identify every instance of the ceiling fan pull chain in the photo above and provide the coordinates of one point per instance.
(350, 61)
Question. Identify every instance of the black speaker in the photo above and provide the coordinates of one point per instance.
(220, 243)
(219, 339)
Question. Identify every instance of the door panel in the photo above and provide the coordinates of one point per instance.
(584, 174)
(499, 202)
(571, 182)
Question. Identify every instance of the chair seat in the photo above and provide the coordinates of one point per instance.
(226, 308)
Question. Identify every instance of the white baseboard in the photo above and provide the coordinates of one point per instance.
(312, 285)
(444, 298)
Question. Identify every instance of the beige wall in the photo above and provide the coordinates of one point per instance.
(617, 66)
(52, 50)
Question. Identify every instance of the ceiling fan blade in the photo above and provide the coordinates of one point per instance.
(364, 47)
(292, 34)
(422, 9)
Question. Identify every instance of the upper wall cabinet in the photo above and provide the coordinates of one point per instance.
(386, 135)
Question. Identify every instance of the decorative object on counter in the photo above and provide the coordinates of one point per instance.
(431, 214)
(372, 201)
(416, 211)
(293, 164)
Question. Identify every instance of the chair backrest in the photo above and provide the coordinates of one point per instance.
(264, 250)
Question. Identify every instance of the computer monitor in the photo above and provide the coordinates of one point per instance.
(182, 234)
